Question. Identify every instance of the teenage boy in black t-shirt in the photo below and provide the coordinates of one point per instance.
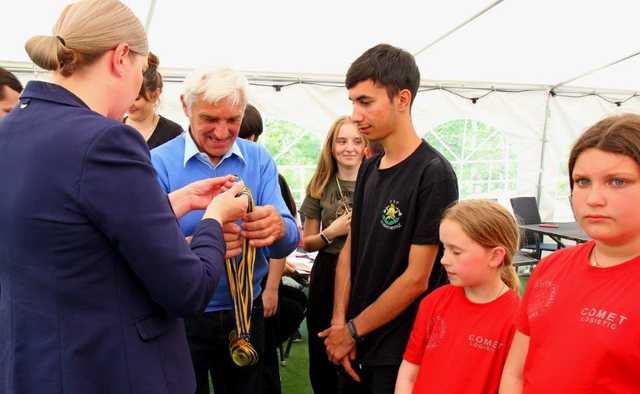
(391, 258)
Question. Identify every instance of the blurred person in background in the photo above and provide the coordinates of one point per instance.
(284, 306)
(10, 89)
(143, 113)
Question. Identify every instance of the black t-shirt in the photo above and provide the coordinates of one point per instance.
(393, 209)
(165, 131)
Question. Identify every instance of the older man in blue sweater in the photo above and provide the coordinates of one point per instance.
(214, 101)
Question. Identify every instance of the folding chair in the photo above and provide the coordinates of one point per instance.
(526, 212)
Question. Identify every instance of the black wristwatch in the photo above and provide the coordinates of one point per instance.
(352, 330)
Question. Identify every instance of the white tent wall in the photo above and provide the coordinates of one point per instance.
(519, 116)
(525, 45)
(568, 118)
(313, 108)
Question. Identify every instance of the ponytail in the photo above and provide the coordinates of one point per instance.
(509, 275)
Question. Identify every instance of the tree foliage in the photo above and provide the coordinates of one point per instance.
(480, 155)
(295, 151)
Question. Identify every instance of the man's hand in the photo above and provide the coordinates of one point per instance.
(270, 302)
(263, 226)
(338, 342)
(232, 238)
(346, 364)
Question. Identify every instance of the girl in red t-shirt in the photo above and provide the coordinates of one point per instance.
(462, 331)
(579, 324)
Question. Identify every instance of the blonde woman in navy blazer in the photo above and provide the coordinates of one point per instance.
(94, 269)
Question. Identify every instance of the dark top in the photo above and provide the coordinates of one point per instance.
(165, 131)
(287, 196)
(393, 209)
(93, 266)
(331, 205)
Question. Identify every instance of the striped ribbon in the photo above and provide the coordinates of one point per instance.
(240, 280)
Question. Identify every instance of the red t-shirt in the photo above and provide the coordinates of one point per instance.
(584, 325)
(461, 346)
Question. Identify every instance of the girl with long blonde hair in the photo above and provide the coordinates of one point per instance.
(327, 212)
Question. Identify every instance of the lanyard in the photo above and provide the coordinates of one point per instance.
(342, 199)
(240, 279)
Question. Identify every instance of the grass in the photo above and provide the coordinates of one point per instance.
(295, 374)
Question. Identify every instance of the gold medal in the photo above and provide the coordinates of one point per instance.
(243, 353)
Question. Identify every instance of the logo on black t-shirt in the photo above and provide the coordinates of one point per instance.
(391, 215)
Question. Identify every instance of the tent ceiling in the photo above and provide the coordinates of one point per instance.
(518, 41)
(624, 75)
(539, 42)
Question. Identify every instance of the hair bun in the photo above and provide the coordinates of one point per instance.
(43, 51)
(49, 53)
(153, 60)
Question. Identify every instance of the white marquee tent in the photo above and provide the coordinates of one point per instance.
(538, 71)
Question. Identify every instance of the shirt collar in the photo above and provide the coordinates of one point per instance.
(51, 92)
(191, 150)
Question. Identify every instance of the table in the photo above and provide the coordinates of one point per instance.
(520, 260)
(302, 261)
(559, 231)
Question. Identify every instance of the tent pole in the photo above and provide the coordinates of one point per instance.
(547, 113)
(460, 26)
(152, 8)
(334, 80)
(634, 54)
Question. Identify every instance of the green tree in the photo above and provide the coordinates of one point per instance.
(480, 156)
(295, 151)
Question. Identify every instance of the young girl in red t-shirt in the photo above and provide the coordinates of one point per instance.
(462, 331)
(578, 329)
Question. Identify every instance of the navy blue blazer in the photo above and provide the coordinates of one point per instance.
(94, 269)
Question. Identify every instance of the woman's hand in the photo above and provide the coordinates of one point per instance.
(339, 227)
(228, 206)
(198, 194)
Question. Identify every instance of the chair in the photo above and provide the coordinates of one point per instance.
(526, 211)
(524, 264)
(292, 311)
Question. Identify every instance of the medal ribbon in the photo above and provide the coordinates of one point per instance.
(240, 280)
